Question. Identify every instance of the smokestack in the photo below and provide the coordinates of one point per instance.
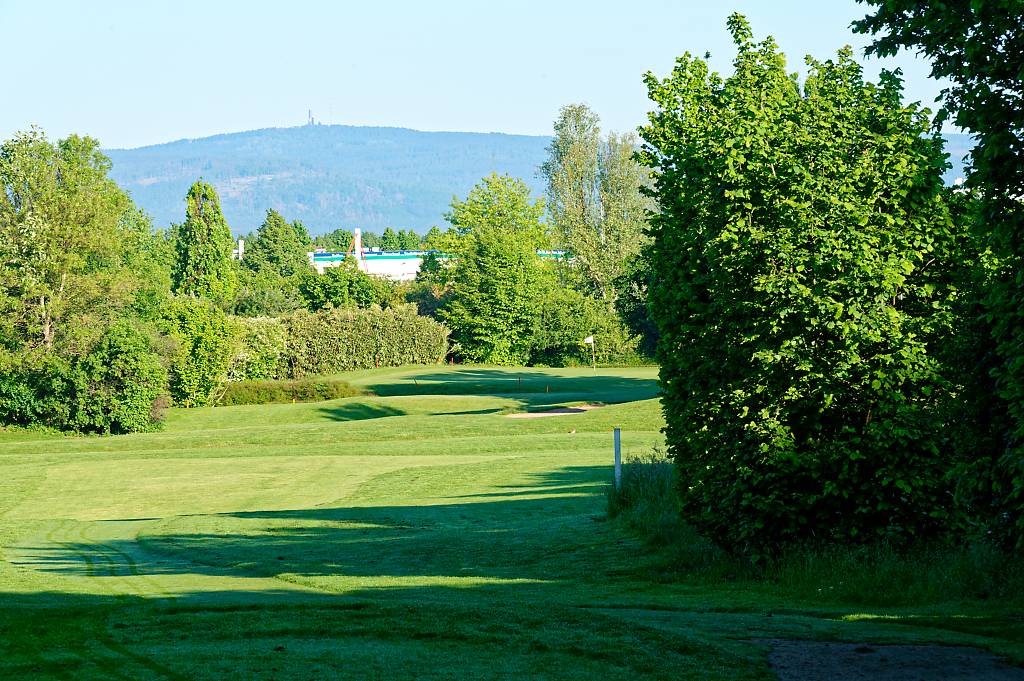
(358, 246)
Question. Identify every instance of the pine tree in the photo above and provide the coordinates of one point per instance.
(389, 240)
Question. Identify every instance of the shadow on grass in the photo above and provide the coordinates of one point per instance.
(506, 383)
(543, 531)
(359, 411)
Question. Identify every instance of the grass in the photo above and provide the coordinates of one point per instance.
(414, 533)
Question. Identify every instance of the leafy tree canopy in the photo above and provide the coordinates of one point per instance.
(977, 46)
(277, 247)
(799, 294)
(497, 280)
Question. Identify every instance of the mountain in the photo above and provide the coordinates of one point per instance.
(328, 176)
(332, 176)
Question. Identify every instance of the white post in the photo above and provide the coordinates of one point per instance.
(618, 459)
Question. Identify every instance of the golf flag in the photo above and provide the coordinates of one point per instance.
(589, 340)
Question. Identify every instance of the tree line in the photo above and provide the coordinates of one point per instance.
(108, 321)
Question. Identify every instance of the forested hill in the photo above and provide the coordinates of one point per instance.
(328, 176)
(332, 176)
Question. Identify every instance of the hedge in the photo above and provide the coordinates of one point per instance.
(301, 390)
(335, 340)
(260, 349)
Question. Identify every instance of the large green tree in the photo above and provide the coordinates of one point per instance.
(203, 266)
(77, 259)
(277, 247)
(389, 240)
(497, 280)
(799, 291)
(597, 208)
(977, 47)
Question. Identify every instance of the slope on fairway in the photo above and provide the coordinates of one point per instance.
(414, 533)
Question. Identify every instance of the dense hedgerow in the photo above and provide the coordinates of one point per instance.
(800, 293)
(260, 352)
(299, 390)
(335, 340)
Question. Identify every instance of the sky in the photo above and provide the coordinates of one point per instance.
(138, 73)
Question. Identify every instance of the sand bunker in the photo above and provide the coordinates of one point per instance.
(555, 412)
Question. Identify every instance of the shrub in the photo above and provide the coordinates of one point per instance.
(38, 391)
(260, 349)
(115, 388)
(798, 292)
(206, 339)
(118, 384)
(346, 286)
(300, 390)
(331, 341)
(567, 317)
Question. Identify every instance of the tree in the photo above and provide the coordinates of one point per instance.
(77, 259)
(371, 240)
(432, 238)
(343, 286)
(594, 196)
(978, 48)
(302, 234)
(277, 248)
(338, 240)
(265, 294)
(205, 338)
(800, 295)
(497, 279)
(389, 241)
(203, 266)
(60, 243)
(409, 240)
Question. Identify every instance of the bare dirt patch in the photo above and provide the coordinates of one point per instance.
(560, 411)
(827, 661)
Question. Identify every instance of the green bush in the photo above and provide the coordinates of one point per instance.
(260, 350)
(565, 318)
(799, 259)
(116, 388)
(335, 340)
(270, 392)
(206, 339)
(38, 391)
(346, 286)
(118, 384)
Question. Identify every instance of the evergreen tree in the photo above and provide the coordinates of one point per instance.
(389, 241)
(203, 267)
(277, 248)
(432, 238)
(409, 240)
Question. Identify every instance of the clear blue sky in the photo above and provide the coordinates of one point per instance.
(144, 72)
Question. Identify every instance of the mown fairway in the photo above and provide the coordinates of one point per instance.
(420, 533)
